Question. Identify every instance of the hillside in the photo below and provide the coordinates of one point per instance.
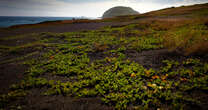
(157, 60)
(187, 12)
(119, 11)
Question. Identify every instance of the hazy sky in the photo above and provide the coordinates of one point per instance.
(88, 8)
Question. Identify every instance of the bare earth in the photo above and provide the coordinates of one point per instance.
(13, 72)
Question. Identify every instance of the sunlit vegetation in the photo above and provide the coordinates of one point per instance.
(96, 64)
(189, 39)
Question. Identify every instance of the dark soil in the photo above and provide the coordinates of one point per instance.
(13, 72)
(37, 102)
(153, 58)
(57, 28)
(17, 42)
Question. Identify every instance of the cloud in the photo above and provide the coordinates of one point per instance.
(91, 8)
(84, 1)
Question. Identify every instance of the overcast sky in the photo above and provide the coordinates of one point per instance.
(88, 8)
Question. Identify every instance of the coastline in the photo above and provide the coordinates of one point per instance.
(107, 64)
(9, 21)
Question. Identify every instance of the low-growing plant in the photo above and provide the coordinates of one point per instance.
(78, 69)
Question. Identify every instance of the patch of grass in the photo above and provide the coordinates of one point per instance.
(11, 96)
(188, 40)
(122, 82)
(100, 47)
(20, 49)
(94, 64)
(19, 58)
(17, 37)
(3, 47)
(118, 81)
(147, 43)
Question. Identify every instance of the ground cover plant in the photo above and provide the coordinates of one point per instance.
(116, 65)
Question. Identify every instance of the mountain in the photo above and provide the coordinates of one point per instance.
(119, 11)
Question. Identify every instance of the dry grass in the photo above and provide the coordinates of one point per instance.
(189, 39)
(200, 48)
(100, 47)
(183, 10)
(194, 11)
(51, 23)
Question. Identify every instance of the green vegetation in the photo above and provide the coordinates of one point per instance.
(98, 64)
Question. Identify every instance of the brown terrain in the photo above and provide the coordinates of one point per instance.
(12, 70)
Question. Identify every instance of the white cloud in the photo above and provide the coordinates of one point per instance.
(88, 8)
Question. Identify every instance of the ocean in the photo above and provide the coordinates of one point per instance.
(6, 21)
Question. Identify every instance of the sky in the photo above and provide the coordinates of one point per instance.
(87, 8)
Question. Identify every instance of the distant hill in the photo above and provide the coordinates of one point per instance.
(119, 11)
(191, 11)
